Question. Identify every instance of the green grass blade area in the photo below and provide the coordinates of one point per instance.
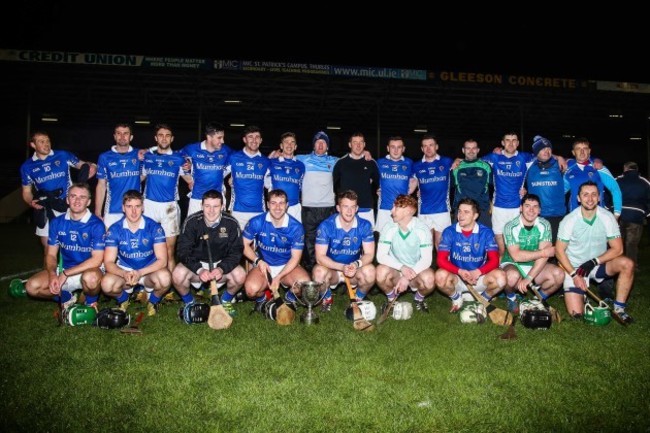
(427, 374)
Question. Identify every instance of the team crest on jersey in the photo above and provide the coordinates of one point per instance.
(297, 170)
(476, 246)
(145, 241)
(355, 239)
(259, 165)
(518, 163)
(57, 163)
(220, 156)
(403, 168)
(84, 236)
(159, 231)
(441, 168)
(171, 163)
(223, 233)
(283, 239)
(133, 161)
(479, 173)
(591, 174)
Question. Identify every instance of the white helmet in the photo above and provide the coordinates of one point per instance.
(473, 312)
(530, 304)
(402, 310)
(368, 309)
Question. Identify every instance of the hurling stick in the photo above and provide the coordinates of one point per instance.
(386, 312)
(359, 323)
(285, 315)
(554, 313)
(618, 318)
(134, 329)
(496, 315)
(510, 333)
(218, 317)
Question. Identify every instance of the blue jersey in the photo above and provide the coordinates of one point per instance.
(274, 244)
(287, 175)
(394, 179)
(344, 247)
(576, 174)
(135, 250)
(162, 172)
(50, 173)
(248, 181)
(468, 252)
(544, 179)
(76, 239)
(433, 182)
(509, 174)
(208, 168)
(122, 173)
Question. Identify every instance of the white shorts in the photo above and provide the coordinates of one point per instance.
(436, 221)
(243, 217)
(112, 218)
(521, 268)
(461, 287)
(568, 281)
(45, 231)
(73, 282)
(295, 211)
(168, 214)
(368, 215)
(206, 265)
(501, 216)
(383, 218)
(341, 280)
(129, 289)
(194, 206)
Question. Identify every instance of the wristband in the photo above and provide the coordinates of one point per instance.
(66, 275)
(359, 263)
(573, 274)
(257, 260)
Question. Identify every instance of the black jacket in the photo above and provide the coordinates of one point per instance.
(636, 196)
(225, 240)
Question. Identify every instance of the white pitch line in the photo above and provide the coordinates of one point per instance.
(6, 277)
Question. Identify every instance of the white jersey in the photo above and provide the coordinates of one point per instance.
(587, 239)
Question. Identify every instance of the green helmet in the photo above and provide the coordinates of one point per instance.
(599, 316)
(80, 315)
(17, 288)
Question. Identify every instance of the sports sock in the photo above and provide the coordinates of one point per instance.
(486, 296)
(455, 296)
(418, 297)
(391, 295)
(91, 299)
(291, 297)
(187, 298)
(619, 306)
(123, 297)
(260, 299)
(511, 297)
(359, 295)
(153, 298)
(227, 297)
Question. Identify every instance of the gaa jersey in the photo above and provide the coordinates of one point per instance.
(394, 177)
(472, 179)
(208, 168)
(433, 182)
(287, 175)
(527, 238)
(122, 173)
(248, 181)
(135, 250)
(162, 171)
(544, 179)
(468, 252)
(50, 173)
(274, 244)
(587, 239)
(412, 248)
(509, 174)
(344, 246)
(576, 174)
(76, 239)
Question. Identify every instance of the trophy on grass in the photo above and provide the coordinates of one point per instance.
(311, 295)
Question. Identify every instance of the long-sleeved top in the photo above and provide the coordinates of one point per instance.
(636, 196)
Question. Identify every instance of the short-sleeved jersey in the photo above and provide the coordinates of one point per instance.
(162, 171)
(509, 174)
(394, 177)
(76, 239)
(472, 179)
(344, 246)
(135, 250)
(545, 180)
(433, 181)
(468, 252)
(287, 175)
(248, 181)
(122, 173)
(274, 244)
(576, 174)
(587, 239)
(208, 168)
(526, 238)
(51, 173)
(406, 247)
(318, 184)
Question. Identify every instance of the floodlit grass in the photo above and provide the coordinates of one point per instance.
(428, 374)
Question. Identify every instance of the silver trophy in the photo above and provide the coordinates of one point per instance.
(311, 295)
